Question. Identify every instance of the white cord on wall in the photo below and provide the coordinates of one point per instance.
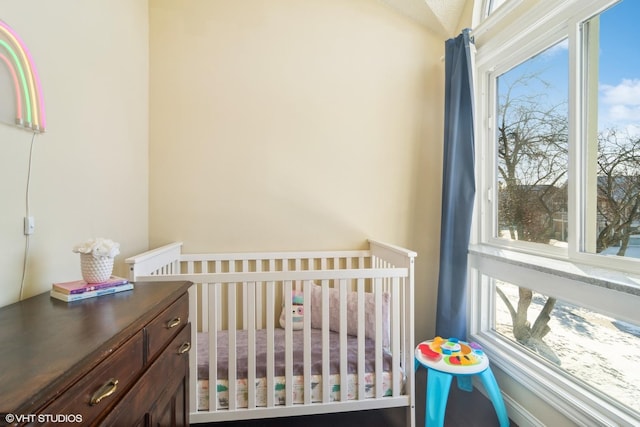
(28, 214)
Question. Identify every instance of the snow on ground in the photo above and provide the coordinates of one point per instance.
(632, 251)
(597, 349)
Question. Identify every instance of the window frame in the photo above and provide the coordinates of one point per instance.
(604, 284)
(507, 63)
(561, 22)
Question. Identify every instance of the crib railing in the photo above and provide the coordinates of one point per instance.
(246, 291)
(260, 263)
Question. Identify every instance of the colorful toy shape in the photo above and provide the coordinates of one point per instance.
(429, 353)
(452, 351)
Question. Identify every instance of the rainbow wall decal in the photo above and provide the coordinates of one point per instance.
(15, 57)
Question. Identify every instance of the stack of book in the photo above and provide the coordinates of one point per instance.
(79, 289)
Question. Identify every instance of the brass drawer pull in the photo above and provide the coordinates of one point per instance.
(107, 389)
(184, 348)
(173, 323)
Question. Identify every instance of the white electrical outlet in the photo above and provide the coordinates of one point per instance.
(29, 225)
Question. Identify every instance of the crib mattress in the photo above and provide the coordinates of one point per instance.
(279, 387)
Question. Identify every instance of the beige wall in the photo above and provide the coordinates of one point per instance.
(295, 124)
(89, 172)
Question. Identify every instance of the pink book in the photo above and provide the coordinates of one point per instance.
(80, 286)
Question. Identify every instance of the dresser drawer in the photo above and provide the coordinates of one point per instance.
(163, 386)
(164, 327)
(105, 385)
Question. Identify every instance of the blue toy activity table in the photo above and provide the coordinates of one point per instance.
(448, 358)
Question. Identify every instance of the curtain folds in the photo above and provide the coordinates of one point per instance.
(458, 188)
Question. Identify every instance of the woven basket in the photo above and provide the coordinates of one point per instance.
(95, 270)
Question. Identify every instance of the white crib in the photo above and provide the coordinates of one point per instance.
(352, 347)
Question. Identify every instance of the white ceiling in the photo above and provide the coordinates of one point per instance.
(441, 16)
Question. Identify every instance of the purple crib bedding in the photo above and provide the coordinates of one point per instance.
(279, 354)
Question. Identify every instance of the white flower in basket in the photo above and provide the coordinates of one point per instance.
(96, 258)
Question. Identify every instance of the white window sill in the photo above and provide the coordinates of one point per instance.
(586, 274)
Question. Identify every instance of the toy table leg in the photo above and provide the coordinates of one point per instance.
(464, 382)
(438, 385)
(491, 386)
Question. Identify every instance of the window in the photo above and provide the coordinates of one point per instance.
(532, 147)
(555, 249)
(596, 349)
(612, 133)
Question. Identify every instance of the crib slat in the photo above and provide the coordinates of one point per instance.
(270, 340)
(306, 309)
(233, 366)
(378, 346)
(214, 301)
(204, 289)
(343, 341)
(288, 355)
(297, 264)
(259, 298)
(218, 290)
(245, 291)
(361, 339)
(251, 344)
(326, 396)
(395, 336)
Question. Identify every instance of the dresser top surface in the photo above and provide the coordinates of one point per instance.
(47, 344)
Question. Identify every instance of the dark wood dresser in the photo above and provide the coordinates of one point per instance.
(119, 359)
